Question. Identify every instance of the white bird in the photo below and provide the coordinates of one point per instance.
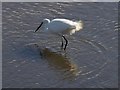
(61, 27)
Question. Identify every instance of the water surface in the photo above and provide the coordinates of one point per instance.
(35, 60)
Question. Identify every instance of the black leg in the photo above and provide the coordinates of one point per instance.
(62, 43)
(66, 42)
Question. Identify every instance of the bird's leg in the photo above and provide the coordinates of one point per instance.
(62, 43)
(66, 42)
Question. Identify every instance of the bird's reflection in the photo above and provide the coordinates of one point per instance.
(61, 63)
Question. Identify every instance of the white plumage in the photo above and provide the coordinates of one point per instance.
(60, 27)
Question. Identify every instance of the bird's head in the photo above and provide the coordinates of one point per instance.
(43, 23)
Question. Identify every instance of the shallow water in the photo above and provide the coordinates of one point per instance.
(36, 60)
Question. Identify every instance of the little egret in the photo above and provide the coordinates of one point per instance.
(61, 27)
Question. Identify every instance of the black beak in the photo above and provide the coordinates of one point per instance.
(39, 27)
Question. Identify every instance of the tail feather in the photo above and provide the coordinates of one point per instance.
(79, 25)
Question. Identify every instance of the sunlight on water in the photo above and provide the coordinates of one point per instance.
(37, 60)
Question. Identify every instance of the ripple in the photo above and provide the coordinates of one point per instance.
(89, 61)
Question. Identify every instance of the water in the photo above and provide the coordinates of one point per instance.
(35, 60)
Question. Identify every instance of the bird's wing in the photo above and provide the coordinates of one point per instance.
(60, 26)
